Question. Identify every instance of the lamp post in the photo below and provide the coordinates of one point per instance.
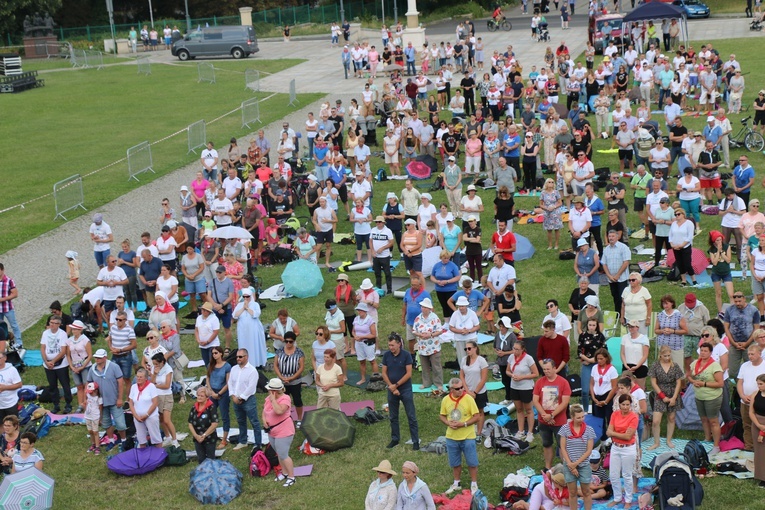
(395, 11)
(342, 12)
(188, 17)
(151, 14)
(110, 10)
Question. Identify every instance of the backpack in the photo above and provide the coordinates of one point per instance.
(695, 454)
(438, 446)
(479, 501)
(732, 428)
(381, 175)
(508, 443)
(27, 395)
(26, 412)
(271, 456)
(39, 427)
(259, 465)
(376, 384)
(141, 329)
(513, 494)
(175, 456)
(368, 416)
(674, 274)
(438, 184)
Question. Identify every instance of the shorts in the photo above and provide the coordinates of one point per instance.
(101, 257)
(639, 204)
(709, 408)
(113, 415)
(482, 400)
(325, 237)
(413, 263)
(80, 379)
(585, 474)
(154, 42)
(525, 396)
(455, 450)
(652, 227)
(91, 425)
(758, 287)
(626, 154)
(704, 98)
(549, 435)
(322, 171)
(365, 352)
(168, 40)
(717, 278)
(690, 344)
(165, 403)
(391, 159)
(126, 365)
(489, 316)
(225, 317)
(715, 183)
(361, 241)
(193, 288)
(281, 445)
(641, 372)
(409, 333)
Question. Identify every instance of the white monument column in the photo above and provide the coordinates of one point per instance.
(246, 14)
(413, 32)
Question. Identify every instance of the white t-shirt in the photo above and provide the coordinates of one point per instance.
(748, 373)
(166, 286)
(379, 237)
(425, 214)
(209, 156)
(731, 220)
(206, 328)
(102, 231)
(467, 321)
(161, 377)
(633, 348)
(232, 187)
(689, 195)
(9, 376)
(94, 296)
(473, 373)
(523, 368)
(562, 324)
(309, 124)
(602, 383)
(652, 200)
(360, 189)
(142, 399)
(128, 312)
(165, 244)
(115, 275)
(224, 205)
(53, 343)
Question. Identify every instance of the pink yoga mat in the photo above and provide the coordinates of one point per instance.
(304, 470)
(349, 408)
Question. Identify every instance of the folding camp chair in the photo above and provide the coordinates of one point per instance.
(611, 326)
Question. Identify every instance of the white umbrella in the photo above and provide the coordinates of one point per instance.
(231, 233)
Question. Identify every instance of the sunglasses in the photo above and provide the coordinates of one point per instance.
(706, 335)
(738, 297)
(458, 389)
(319, 333)
(289, 341)
(633, 279)
(121, 320)
(678, 214)
(634, 326)
(240, 357)
(551, 305)
(468, 348)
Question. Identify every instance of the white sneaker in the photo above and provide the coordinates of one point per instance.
(504, 403)
(519, 435)
(240, 446)
(714, 451)
(176, 444)
(473, 488)
(166, 442)
(455, 487)
(530, 437)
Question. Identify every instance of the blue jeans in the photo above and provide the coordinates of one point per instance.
(126, 365)
(211, 175)
(223, 404)
(586, 376)
(410, 69)
(206, 355)
(11, 317)
(407, 397)
(100, 257)
(691, 208)
(243, 411)
(675, 152)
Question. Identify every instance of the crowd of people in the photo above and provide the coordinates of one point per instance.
(509, 125)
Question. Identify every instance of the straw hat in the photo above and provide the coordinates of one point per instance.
(385, 467)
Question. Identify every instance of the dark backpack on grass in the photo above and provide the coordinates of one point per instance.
(507, 443)
(175, 456)
(368, 416)
(695, 454)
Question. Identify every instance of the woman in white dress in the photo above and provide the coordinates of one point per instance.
(249, 330)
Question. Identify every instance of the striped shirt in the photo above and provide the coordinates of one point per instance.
(6, 286)
(121, 337)
(289, 364)
(577, 446)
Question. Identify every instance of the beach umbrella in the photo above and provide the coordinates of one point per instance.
(561, 109)
(523, 248)
(302, 279)
(215, 482)
(328, 429)
(699, 260)
(393, 67)
(137, 461)
(231, 232)
(30, 489)
(422, 167)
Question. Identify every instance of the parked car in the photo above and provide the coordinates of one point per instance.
(604, 26)
(236, 40)
(692, 8)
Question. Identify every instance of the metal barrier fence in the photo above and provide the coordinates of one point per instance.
(293, 93)
(144, 65)
(94, 59)
(58, 49)
(67, 195)
(77, 57)
(250, 111)
(197, 135)
(139, 160)
(206, 72)
(252, 80)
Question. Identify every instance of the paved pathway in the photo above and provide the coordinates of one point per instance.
(131, 214)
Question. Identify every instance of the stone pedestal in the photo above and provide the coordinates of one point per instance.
(246, 14)
(40, 47)
(123, 46)
(412, 16)
(356, 34)
(416, 36)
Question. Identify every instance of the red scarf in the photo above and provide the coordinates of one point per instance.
(339, 297)
(635, 387)
(515, 365)
(603, 372)
(141, 388)
(574, 434)
(697, 369)
(415, 296)
(168, 335)
(368, 292)
(200, 410)
(456, 401)
(167, 308)
(360, 210)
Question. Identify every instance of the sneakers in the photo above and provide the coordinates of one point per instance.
(520, 435)
(96, 451)
(392, 444)
(280, 477)
(714, 451)
(298, 424)
(121, 447)
(166, 442)
(176, 443)
(240, 446)
(91, 449)
(473, 487)
(289, 482)
(455, 487)
(530, 437)
(505, 403)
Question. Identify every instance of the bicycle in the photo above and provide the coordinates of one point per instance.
(747, 137)
(493, 25)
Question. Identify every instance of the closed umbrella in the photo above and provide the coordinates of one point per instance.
(393, 67)
(302, 279)
(699, 260)
(523, 248)
(215, 482)
(328, 429)
(137, 461)
(29, 489)
(561, 109)
(231, 233)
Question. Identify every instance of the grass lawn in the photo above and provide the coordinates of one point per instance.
(340, 479)
(726, 6)
(89, 118)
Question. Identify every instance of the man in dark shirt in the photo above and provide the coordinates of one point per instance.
(66, 320)
(677, 134)
(150, 269)
(397, 374)
(468, 91)
(615, 193)
(336, 134)
(528, 117)
(553, 346)
(451, 142)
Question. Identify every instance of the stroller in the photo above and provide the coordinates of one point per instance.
(677, 486)
(385, 109)
(543, 32)
(756, 24)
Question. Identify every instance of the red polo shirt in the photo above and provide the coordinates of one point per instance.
(504, 242)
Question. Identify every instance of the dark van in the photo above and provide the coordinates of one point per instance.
(237, 41)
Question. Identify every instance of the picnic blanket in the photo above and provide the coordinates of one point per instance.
(738, 456)
(648, 455)
(33, 358)
(490, 386)
(393, 265)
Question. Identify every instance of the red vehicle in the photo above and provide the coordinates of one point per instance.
(604, 27)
